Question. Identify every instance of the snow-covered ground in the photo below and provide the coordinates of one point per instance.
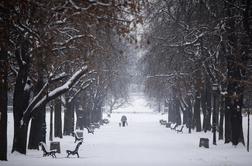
(144, 142)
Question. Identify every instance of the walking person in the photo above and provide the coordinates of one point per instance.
(124, 120)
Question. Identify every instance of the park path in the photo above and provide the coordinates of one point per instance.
(139, 143)
(144, 142)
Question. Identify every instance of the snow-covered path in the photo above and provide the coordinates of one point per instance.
(144, 142)
(139, 143)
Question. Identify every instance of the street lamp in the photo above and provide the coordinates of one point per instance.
(215, 90)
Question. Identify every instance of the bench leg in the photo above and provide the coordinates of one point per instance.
(54, 155)
(68, 154)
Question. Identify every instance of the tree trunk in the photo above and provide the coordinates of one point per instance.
(247, 19)
(222, 107)
(20, 137)
(227, 120)
(233, 115)
(38, 129)
(197, 109)
(196, 115)
(188, 113)
(51, 123)
(79, 120)
(86, 118)
(38, 123)
(214, 118)
(170, 113)
(69, 118)
(57, 118)
(20, 102)
(209, 105)
(235, 71)
(20, 130)
(204, 108)
(190, 120)
(177, 111)
(159, 105)
(215, 121)
(96, 114)
(185, 117)
(236, 121)
(80, 117)
(3, 104)
(79, 114)
(217, 109)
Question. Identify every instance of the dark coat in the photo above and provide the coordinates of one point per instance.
(123, 118)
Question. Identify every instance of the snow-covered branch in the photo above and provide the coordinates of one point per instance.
(83, 86)
(166, 75)
(91, 3)
(59, 77)
(39, 96)
(54, 93)
(68, 40)
(188, 43)
(78, 7)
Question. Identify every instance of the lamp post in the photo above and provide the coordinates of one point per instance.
(215, 90)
